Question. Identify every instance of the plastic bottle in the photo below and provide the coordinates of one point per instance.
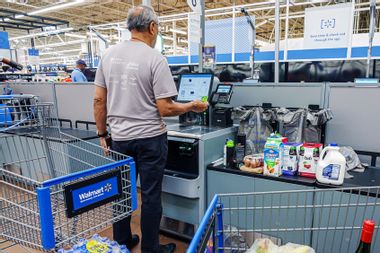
(225, 153)
(96, 237)
(230, 152)
(77, 249)
(123, 249)
(331, 166)
(82, 245)
(104, 240)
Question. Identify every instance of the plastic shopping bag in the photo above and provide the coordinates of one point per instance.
(267, 246)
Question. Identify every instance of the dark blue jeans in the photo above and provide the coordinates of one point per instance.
(150, 155)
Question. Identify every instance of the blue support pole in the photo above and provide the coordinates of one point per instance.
(219, 220)
(46, 218)
(132, 167)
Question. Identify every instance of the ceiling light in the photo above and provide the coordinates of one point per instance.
(261, 23)
(55, 7)
(183, 41)
(178, 31)
(73, 35)
(167, 38)
(73, 42)
(42, 33)
(94, 35)
(59, 52)
(60, 57)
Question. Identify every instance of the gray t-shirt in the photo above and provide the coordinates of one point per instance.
(135, 75)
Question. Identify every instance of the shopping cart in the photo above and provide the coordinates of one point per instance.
(328, 220)
(55, 188)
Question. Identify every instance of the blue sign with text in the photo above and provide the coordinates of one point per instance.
(94, 193)
(33, 52)
(4, 40)
(90, 193)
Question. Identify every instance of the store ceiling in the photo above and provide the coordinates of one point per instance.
(94, 12)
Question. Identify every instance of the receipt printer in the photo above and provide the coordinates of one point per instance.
(221, 117)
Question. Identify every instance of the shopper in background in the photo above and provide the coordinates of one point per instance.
(77, 75)
(134, 87)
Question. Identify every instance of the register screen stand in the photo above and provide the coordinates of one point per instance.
(194, 87)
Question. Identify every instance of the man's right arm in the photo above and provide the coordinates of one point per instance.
(168, 108)
(100, 109)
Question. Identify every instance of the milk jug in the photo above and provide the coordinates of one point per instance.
(331, 168)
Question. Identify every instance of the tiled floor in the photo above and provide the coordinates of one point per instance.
(181, 246)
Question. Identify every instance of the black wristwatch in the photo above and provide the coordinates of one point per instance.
(105, 134)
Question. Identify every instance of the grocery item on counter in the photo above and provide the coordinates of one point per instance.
(96, 244)
(273, 152)
(331, 166)
(309, 156)
(227, 155)
(265, 245)
(240, 148)
(230, 153)
(253, 163)
(291, 158)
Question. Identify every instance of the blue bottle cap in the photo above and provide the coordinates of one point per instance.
(334, 145)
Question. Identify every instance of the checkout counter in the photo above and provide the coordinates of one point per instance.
(195, 142)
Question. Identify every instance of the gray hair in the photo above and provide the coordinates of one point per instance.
(140, 17)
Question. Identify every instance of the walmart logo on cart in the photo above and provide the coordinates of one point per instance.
(83, 197)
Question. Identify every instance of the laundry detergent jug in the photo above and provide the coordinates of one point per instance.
(331, 166)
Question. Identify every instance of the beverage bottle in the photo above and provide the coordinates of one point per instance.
(123, 249)
(230, 153)
(115, 247)
(316, 154)
(104, 240)
(82, 245)
(302, 151)
(77, 249)
(96, 237)
(366, 237)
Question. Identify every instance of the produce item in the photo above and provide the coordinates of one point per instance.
(291, 158)
(331, 166)
(309, 156)
(273, 152)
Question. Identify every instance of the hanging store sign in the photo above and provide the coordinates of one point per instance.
(33, 56)
(195, 5)
(90, 193)
(4, 40)
(328, 27)
(195, 30)
(209, 57)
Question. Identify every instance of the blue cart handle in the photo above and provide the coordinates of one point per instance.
(202, 226)
(85, 173)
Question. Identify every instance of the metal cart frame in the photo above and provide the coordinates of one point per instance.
(37, 163)
(328, 220)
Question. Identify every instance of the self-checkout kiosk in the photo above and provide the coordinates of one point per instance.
(193, 143)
